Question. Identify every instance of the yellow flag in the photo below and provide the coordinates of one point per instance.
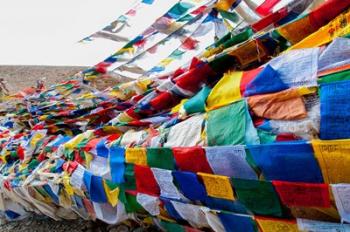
(112, 194)
(136, 156)
(224, 4)
(226, 91)
(88, 158)
(35, 139)
(333, 157)
(217, 186)
(297, 30)
(212, 51)
(166, 61)
(273, 225)
(129, 50)
(336, 28)
(176, 108)
(142, 84)
(65, 199)
(77, 139)
(67, 186)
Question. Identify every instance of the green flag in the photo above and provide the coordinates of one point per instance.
(227, 125)
(160, 158)
(258, 196)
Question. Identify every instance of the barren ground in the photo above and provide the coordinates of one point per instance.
(19, 77)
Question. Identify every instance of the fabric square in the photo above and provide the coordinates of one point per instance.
(334, 159)
(217, 186)
(237, 223)
(226, 91)
(285, 105)
(129, 176)
(164, 179)
(335, 99)
(230, 161)
(186, 133)
(160, 158)
(136, 156)
(258, 196)
(101, 148)
(287, 161)
(341, 194)
(191, 159)
(149, 203)
(186, 179)
(196, 104)
(145, 181)
(193, 214)
(227, 125)
(117, 163)
(303, 194)
(272, 224)
(267, 81)
(94, 185)
(112, 192)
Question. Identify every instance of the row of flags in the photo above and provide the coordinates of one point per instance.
(224, 115)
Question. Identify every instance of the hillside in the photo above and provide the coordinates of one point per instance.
(19, 76)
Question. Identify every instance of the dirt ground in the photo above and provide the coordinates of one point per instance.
(19, 77)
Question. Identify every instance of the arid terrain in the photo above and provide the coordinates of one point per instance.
(18, 77)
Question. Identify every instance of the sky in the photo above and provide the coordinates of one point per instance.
(46, 32)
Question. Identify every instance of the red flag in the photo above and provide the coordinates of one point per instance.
(270, 19)
(266, 7)
(191, 159)
(303, 194)
(164, 100)
(327, 11)
(247, 77)
(145, 181)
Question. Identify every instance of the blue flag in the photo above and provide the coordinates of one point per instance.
(189, 185)
(287, 161)
(94, 185)
(236, 223)
(335, 113)
(117, 163)
(267, 81)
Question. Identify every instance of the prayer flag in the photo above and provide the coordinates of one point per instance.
(145, 181)
(276, 225)
(235, 222)
(186, 179)
(287, 161)
(226, 91)
(303, 194)
(230, 161)
(136, 155)
(258, 196)
(227, 125)
(160, 158)
(217, 186)
(191, 159)
(334, 99)
(116, 162)
(333, 157)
